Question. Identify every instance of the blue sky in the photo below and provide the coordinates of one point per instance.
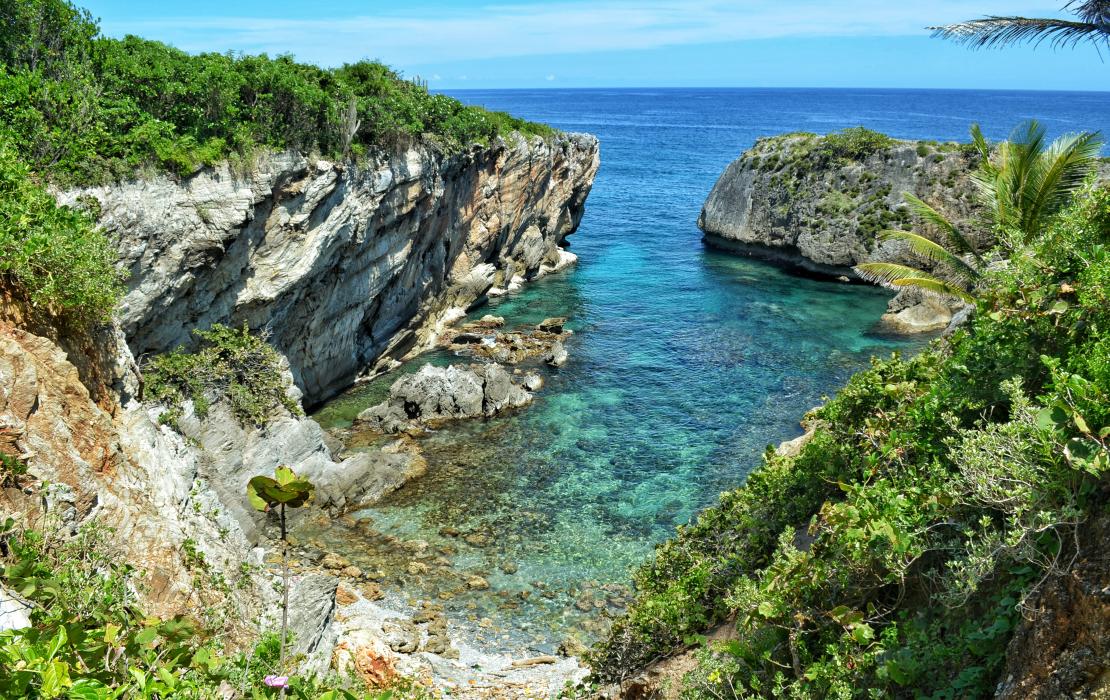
(615, 43)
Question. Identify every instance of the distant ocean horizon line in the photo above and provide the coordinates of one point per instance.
(677, 88)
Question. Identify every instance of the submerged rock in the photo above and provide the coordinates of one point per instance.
(445, 393)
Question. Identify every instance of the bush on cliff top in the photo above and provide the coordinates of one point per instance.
(896, 553)
(52, 257)
(84, 108)
(230, 364)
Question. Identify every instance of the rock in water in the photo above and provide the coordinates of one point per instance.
(914, 311)
(552, 325)
(790, 198)
(445, 393)
(558, 355)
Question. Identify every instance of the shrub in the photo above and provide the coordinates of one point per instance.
(84, 108)
(893, 556)
(52, 255)
(231, 365)
(854, 144)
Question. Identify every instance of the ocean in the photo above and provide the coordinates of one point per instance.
(685, 365)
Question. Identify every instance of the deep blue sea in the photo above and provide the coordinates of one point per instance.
(685, 364)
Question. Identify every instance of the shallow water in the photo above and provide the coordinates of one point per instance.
(685, 363)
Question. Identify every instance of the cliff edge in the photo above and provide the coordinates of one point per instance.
(345, 265)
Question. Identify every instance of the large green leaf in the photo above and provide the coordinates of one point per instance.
(288, 489)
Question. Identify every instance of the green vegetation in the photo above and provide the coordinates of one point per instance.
(266, 494)
(90, 640)
(51, 256)
(1022, 184)
(84, 108)
(894, 555)
(854, 144)
(230, 364)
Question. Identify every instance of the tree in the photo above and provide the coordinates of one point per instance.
(265, 494)
(1093, 26)
(1027, 181)
(1022, 183)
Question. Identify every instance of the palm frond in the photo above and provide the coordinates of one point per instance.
(934, 252)
(1056, 176)
(1000, 31)
(981, 144)
(934, 218)
(1091, 11)
(893, 275)
(935, 286)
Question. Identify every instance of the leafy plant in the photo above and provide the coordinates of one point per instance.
(265, 494)
(231, 364)
(52, 256)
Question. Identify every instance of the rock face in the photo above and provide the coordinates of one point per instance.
(445, 393)
(114, 464)
(344, 264)
(787, 200)
(1062, 650)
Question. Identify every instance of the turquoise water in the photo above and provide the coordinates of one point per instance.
(685, 364)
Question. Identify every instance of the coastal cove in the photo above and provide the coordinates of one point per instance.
(685, 363)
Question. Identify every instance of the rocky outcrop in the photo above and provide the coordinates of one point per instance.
(437, 394)
(789, 199)
(346, 264)
(914, 311)
(795, 200)
(111, 464)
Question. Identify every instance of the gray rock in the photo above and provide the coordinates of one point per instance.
(445, 393)
(914, 311)
(532, 382)
(780, 202)
(15, 613)
(347, 263)
(311, 611)
(557, 357)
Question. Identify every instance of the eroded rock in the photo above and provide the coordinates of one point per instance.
(436, 394)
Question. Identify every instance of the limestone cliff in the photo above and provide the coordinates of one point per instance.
(345, 264)
(791, 199)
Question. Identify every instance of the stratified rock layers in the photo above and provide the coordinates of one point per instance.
(343, 264)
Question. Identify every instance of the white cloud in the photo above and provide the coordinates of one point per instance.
(550, 77)
(563, 26)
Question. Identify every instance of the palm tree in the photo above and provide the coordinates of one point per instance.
(1022, 183)
(1093, 26)
(1027, 182)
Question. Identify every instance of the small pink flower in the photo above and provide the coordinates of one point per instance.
(276, 681)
